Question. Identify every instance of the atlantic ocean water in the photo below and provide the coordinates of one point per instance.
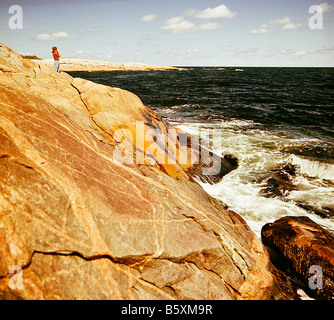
(278, 122)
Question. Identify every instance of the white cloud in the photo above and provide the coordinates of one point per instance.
(272, 24)
(280, 21)
(212, 13)
(149, 17)
(327, 7)
(61, 35)
(180, 25)
(261, 30)
(208, 26)
(291, 26)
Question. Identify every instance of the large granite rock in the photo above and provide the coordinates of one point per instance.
(78, 223)
(305, 250)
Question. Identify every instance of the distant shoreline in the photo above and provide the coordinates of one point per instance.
(72, 65)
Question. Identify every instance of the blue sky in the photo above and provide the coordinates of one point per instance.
(179, 33)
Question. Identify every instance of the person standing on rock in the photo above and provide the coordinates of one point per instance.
(56, 56)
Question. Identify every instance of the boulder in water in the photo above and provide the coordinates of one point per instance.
(305, 250)
(277, 182)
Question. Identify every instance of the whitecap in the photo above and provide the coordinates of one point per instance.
(313, 168)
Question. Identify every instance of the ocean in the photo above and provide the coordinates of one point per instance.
(278, 122)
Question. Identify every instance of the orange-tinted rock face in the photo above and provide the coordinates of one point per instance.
(77, 223)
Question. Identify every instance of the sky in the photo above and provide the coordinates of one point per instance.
(282, 33)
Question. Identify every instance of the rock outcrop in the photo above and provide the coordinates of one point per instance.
(305, 250)
(71, 65)
(80, 219)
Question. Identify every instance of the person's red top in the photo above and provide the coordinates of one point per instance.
(56, 55)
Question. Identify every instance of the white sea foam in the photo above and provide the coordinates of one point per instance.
(313, 168)
(259, 151)
(244, 198)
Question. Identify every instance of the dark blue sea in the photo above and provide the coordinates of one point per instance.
(278, 122)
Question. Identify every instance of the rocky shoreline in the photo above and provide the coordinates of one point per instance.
(72, 65)
(98, 202)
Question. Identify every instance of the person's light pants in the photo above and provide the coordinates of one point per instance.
(57, 65)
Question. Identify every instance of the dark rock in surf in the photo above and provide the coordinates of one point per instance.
(213, 168)
(206, 165)
(277, 182)
(305, 251)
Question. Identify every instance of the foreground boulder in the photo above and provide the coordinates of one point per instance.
(305, 250)
(78, 223)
